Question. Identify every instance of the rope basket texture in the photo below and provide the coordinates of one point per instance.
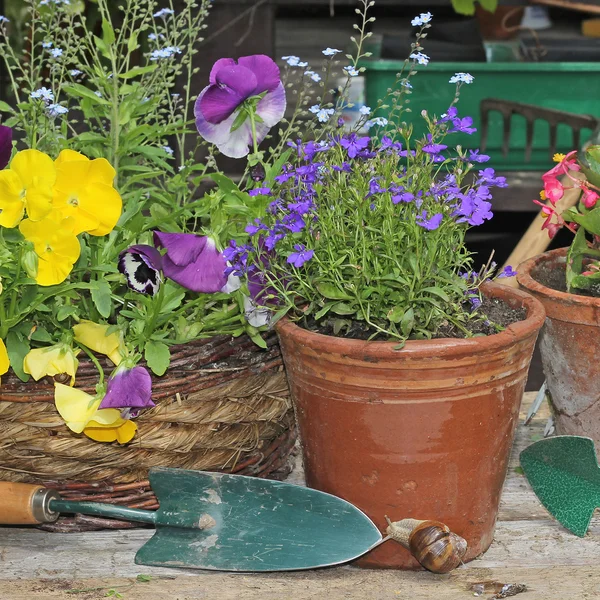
(223, 405)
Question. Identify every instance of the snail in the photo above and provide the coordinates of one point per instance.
(432, 543)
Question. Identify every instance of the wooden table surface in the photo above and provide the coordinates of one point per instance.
(529, 547)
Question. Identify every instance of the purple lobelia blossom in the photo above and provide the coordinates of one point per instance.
(488, 177)
(192, 261)
(374, 187)
(265, 191)
(354, 145)
(433, 148)
(430, 223)
(222, 110)
(128, 388)
(508, 271)
(301, 256)
(5, 145)
(474, 156)
(141, 265)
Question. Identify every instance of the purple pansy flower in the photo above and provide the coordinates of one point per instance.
(192, 261)
(128, 388)
(231, 85)
(5, 145)
(301, 255)
(141, 265)
(353, 144)
(430, 223)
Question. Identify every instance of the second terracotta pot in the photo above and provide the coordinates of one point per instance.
(424, 432)
(569, 345)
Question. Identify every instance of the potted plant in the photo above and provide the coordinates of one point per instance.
(497, 20)
(406, 367)
(123, 343)
(566, 282)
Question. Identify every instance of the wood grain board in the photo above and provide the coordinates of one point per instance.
(529, 547)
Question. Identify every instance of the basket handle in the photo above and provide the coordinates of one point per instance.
(26, 504)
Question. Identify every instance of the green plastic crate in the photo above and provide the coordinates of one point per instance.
(572, 87)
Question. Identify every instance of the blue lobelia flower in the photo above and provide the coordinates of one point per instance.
(430, 223)
(353, 144)
(301, 256)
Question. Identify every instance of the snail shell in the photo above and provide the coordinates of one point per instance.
(432, 543)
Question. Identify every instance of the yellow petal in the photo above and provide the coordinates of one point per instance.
(37, 173)
(11, 203)
(123, 433)
(51, 361)
(53, 272)
(75, 406)
(4, 360)
(94, 337)
(101, 171)
(104, 203)
(69, 156)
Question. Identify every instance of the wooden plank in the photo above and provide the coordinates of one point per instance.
(529, 547)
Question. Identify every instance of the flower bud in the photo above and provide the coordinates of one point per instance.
(258, 173)
(29, 262)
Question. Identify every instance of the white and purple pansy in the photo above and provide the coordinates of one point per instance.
(141, 264)
(250, 87)
(129, 387)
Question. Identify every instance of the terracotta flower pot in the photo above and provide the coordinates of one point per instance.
(569, 349)
(424, 432)
(503, 24)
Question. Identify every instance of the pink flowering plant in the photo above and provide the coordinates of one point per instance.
(365, 234)
(579, 171)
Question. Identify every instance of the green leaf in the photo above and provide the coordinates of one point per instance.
(489, 5)
(343, 308)
(41, 335)
(407, 322)
(5, 107)
(64, 312)
(395, 314)
(81, 91)
(137, 71)
(255, 336)
(17, 347)
(575, 257)
(108, 33)
(590, 221)
(158, 357)
(321, 313)
(332, 292)
(101, 295)
(436, 291)
(277, 167)
(225, 184)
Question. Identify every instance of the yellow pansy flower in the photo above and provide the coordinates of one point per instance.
(4, 360)
(94, 337)
(80, 413)
(26, 185)
(84, 193)
(75, 406)
(58, 249)
(108, 426)
(52, 360)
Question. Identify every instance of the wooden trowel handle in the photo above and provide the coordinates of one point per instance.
(26, 504)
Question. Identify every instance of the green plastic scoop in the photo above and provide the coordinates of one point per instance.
(563, 472)
(236, 523)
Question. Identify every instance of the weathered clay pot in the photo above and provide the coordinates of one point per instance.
(569, 344)
(424, 432)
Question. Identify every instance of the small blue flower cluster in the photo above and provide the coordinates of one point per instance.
(167, 52)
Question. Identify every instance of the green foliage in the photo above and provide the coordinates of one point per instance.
(467, 7)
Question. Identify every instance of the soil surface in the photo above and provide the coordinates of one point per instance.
(554, 278)
(495, 315)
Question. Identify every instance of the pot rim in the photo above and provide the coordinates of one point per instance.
(531, 285)
(447, 346)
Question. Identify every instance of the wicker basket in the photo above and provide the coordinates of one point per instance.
(224, 405)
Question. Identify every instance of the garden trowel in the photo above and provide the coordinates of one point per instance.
(563, 472)
(220, 522)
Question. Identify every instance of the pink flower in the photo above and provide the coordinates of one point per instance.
(589, 198)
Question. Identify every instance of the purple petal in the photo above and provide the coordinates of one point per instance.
(272, 108)
(5, 145)
(141, 265)
(265, 70)
(182, 248)
(220, 64)
(129, 388)
(234, 85)
(204, 274)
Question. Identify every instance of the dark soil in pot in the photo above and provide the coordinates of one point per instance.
(498, 315)
(553, 277)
